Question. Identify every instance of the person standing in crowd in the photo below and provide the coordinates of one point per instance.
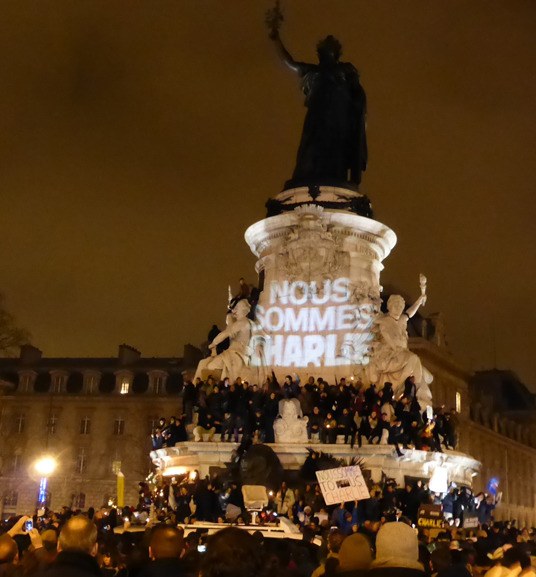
(156, 438)
(189, 400)
(334, 542)
(271, 410)
(355, 556)
(166, 546)
(397, 552)
(284, 500)
(77, 546)
(229, 427)
(9, 556)
(233, 553)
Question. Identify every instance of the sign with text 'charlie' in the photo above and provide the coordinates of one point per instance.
(315, 324)
(342, 484)
(430, 517)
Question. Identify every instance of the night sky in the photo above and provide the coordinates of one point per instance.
(140, 139)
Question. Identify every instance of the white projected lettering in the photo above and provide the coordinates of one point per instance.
(314, 324)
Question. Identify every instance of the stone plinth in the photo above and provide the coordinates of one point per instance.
(328, 197)
(378, 459)
(320, 278)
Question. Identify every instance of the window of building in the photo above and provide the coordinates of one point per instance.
(458, 402)
(52, 424)
(91, 383)
(125, 386)
(81, 461)
(20, 423)
(16, 463)
(158, 384)
(85, 426)
(25, 382)
(58, 383)
(11, 498)
(79, 501)
(119, 426)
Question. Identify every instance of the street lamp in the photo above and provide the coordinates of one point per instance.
(44, 466)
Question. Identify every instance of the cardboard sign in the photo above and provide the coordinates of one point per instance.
(342, 484)
(430, 517)
(470, 521)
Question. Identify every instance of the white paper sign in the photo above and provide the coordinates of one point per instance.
(342, 484)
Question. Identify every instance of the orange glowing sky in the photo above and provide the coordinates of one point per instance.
(141, 139)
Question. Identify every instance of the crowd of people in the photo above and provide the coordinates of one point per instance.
(347, 410)
(219, 499)
(374, 537)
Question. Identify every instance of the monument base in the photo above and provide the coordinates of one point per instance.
(379, 460)
(327, 196)
(320, 294)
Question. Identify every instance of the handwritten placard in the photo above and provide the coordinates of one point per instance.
(342, 484)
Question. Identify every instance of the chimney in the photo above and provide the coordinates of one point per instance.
(29, 355)
(128, 355)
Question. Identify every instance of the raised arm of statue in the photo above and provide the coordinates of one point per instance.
(285, 56)
(415, 306)
(274, 19)
(421, 301)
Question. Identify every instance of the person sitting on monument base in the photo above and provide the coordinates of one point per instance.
(328, 434)
(205, 426)
(380, 433)
(396, 435)
(256, 426)
(315, 423)
(346, 426)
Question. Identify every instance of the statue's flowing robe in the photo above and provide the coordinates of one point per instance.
(333, 147)
(393, 362)
(234, 361)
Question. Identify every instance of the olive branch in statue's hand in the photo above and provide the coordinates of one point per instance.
(274, 19)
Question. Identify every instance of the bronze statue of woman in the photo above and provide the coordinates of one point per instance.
(333, 147)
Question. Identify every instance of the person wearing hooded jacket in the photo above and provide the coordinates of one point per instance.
(397, 552)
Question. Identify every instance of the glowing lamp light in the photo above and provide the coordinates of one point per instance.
(175, 470)
(46, 465)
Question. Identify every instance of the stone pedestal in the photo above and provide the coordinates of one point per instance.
(378, 459)
(319, 271)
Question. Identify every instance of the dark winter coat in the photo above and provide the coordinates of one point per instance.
(163, 568)
(395, 572)
(73, 564)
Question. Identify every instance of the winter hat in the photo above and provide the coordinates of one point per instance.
(355, 553)
(397, 546)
